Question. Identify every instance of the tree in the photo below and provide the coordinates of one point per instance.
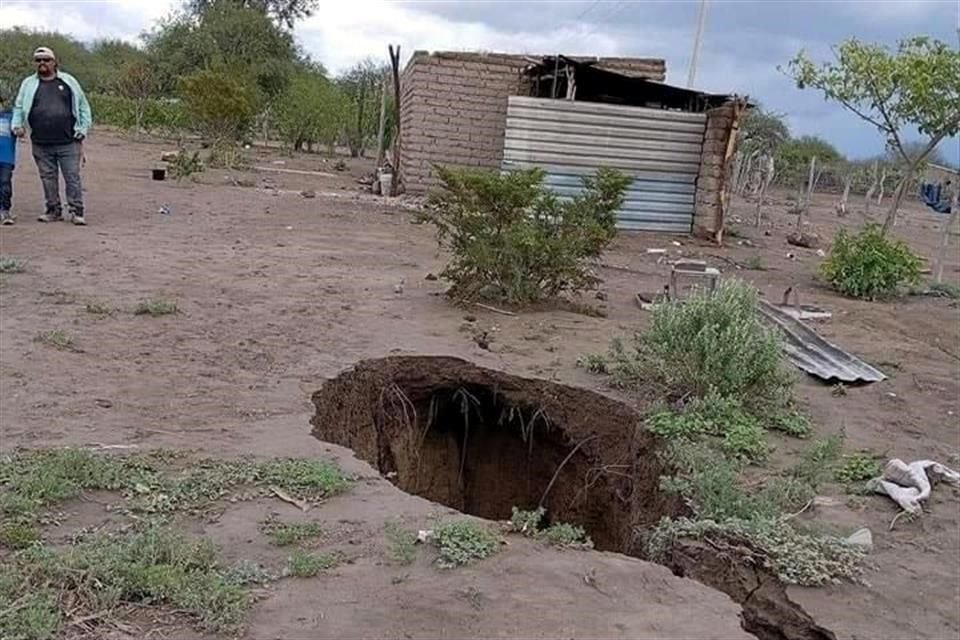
(16, 55)
(363, 84)
(284, 12)
(918, 85)
(761, 134)
(794, 157)
(220, 106)
(312, 110)
(139, 83)
(226, 34)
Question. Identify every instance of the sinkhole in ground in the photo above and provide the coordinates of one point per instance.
(483, 441)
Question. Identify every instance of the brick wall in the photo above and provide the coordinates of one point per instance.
(453, 108)
(711, 181)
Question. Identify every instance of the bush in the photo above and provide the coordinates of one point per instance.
(159, 115)
(795, 557)
(461, 542)
(220, 106)
(712, 343)
(513, 240)
(869, 265)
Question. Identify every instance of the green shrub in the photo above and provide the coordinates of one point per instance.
(161, 115)
(462, 541)
(302, 564)
(795, 557)
(857, 467)
(746, 440)
(563, 534)
(711, 343)
(527, 522)
(153, 566)
(513, 240)
(219, 105)
(869, 265)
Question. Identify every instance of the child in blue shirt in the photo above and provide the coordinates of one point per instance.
(8, 154)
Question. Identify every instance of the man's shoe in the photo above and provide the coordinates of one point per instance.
(6, 218)
(78, 220)
(50, 217)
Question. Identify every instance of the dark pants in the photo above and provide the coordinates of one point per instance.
(52, 160)
(6, 186)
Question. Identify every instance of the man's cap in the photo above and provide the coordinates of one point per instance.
(44, 52)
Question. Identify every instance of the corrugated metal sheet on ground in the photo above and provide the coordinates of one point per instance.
(810, 352)
(568, 140)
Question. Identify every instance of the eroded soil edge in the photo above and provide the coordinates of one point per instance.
(482, 441)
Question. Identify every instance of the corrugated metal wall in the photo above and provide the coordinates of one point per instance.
(660, 149)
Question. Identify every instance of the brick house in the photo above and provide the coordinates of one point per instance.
(454, 111)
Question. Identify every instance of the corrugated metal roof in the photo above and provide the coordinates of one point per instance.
(810, 352)
(659, 149)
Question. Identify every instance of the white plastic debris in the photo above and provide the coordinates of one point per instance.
(424, 535)
(910, 484)
(861, 538)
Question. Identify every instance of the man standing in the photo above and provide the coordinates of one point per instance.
(53, 104)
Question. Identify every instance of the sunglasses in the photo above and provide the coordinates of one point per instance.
(42, 60)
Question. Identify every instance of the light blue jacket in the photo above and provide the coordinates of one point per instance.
(28, 89)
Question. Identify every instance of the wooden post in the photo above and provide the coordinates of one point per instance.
(395, 65)
(383, 122)
(739, 107)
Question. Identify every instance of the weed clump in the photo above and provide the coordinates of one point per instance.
(461, 542)
(99, 576)
(302, 564)
(712, 343)
(869, 265)
(282, 534)
(402, 544)
(155, 308)
(513, 240)
(560, 534)
(11, 265)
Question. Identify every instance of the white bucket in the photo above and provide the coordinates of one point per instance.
(386, 183)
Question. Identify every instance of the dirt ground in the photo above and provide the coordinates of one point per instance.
(278, 292)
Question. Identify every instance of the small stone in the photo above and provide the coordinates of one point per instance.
(309, 193)
(470, 318)
(430, 276)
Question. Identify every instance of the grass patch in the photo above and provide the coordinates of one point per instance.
(858, 467)
(58, 339)
(282, 534)
(31, 481)
(98, 309)
(302, 564)
(560, 534)
(402, 544)
(817, 463)
(754, 263)
(462, 541)
(12, 265)
(41, 587)
(155, 307)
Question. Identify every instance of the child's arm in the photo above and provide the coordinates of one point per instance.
(18, 116)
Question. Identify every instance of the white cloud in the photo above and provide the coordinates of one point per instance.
(87, 20)
(344, 33)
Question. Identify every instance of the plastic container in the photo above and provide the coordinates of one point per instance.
(386, 182)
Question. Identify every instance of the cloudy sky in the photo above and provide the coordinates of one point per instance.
(744, 40)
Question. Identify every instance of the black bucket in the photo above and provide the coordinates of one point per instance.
(159, 174)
